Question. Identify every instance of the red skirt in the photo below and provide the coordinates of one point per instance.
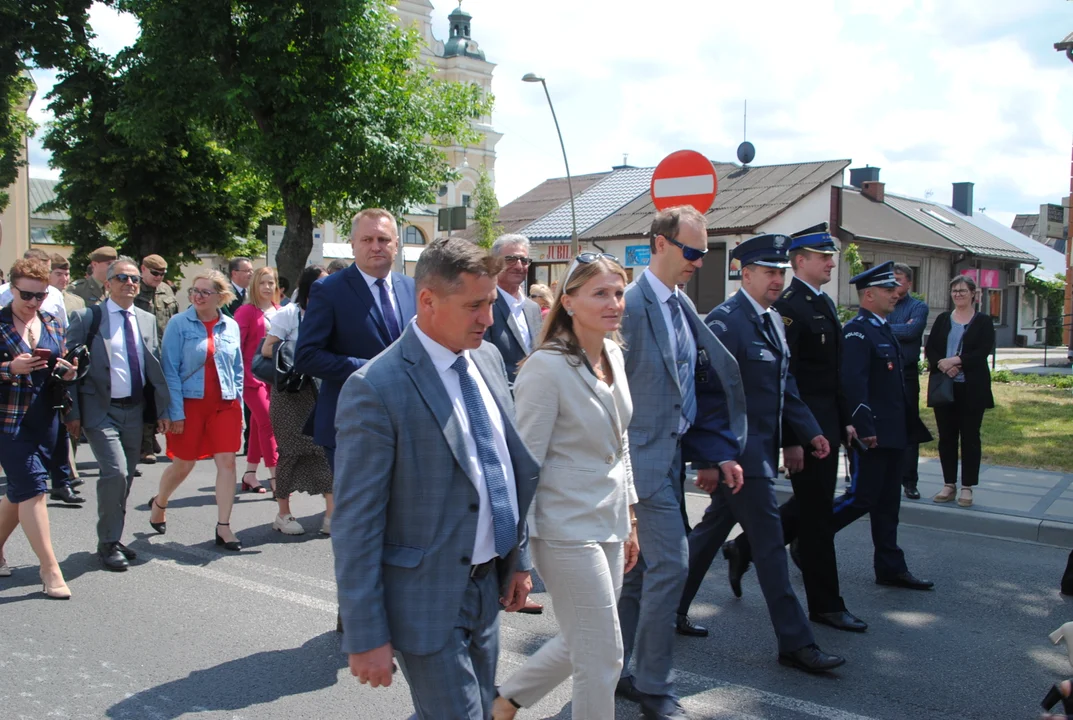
(212, 426)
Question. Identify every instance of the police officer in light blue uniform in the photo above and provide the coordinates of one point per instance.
(753, 332)
(878, 401)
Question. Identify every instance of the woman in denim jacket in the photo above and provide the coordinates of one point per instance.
(202, 361)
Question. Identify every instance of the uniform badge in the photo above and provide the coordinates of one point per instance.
(823, 339)
(787, 321)
(809, 298)
(890, 365)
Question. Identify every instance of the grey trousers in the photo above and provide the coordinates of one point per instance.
(458, 681)
(116, 444)
(651, 591)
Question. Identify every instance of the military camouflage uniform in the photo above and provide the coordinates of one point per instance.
(161, 302)
(88, 289)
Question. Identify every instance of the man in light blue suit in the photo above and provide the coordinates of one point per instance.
(432, 487)
(668, 348)
(353, 315)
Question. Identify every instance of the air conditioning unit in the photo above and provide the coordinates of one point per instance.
(1015, 276)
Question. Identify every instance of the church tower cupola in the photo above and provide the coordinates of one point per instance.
(461, 40)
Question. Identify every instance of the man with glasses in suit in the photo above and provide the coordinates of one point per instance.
(517, 318)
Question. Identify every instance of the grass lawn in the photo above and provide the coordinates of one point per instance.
(1030, 427)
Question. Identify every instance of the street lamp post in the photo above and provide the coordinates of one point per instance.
(575, 246)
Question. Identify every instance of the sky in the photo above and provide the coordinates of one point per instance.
(930, 91)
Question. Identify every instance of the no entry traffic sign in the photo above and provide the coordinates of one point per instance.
(684, 177)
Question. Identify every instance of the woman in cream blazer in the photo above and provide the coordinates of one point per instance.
(573, 408)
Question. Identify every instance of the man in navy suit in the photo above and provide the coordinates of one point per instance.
(353, 316)
(517, 318)
(752, 330)
(879, 405)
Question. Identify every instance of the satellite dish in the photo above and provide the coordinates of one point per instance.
(746, 152)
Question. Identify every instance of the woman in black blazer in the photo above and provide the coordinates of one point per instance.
(958, 346)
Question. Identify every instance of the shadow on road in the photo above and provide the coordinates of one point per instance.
(26, 575)
(236, 684)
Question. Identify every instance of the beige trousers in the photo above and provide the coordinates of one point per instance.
(584, 580)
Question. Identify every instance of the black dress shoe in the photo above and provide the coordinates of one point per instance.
(75, 482)
(137, 472)
(911, 492)
(841, 620)
(684, 626)
(795, 553)
(112, 558)
(662, 707)
(626, 689)
(127, 552)
(67, 495)
(737, 565)
(906, 580)
(811, 659)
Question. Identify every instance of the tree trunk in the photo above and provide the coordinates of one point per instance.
(297, 239)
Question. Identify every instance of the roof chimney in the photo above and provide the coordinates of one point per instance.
(873, 190)
(858, 176)
(963, 197)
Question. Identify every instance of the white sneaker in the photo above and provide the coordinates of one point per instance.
(287, 525)
(326, 526)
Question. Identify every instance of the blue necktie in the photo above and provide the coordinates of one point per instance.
(683, 339)
(133, 363)
(389, 311)
(506, 532)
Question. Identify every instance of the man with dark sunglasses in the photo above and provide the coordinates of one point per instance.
(155, 297)
(669, 350)
(517, 318)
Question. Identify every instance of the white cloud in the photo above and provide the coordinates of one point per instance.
(932, 91)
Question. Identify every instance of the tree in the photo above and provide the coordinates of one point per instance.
(328, 101)
(486, 210)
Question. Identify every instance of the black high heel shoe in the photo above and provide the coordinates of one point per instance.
(1054, 695)
(234, 545)
(160, 527)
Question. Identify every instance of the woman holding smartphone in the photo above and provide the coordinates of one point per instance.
(32, 344)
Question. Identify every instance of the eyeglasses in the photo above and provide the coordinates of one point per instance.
(158, 273)
(509, 259)
(960, 292)
(198, 292)
(28, 296)
(689, 253)
(125, 278)
(584, 259)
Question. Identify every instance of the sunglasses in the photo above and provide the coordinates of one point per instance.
(584, 259)
(508, 259)
(158, 273)
(127, 278)
(689, 253)
(28, 296)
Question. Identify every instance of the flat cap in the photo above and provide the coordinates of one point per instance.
(155, 262)
(105, 253)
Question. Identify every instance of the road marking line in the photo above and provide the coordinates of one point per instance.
(700, 692)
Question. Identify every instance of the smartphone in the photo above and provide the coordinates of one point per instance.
(43, 353)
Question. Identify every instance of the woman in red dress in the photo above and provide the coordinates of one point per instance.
(202, 362)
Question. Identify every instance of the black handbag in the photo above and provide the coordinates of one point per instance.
(940, 390)
(263, 368)
(287, 379)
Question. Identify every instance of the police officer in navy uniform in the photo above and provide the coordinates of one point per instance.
(874, 387)
(753, 332)
(814, 336)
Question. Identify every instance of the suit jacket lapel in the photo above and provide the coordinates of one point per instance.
(603, 393)
(534, 318)
(659, 328)
(406, 299)
(760, 328)
(361, 288)
(427, 380)
(105, 334)
(504, 308)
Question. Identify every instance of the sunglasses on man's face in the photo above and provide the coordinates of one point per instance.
(157, 273)
(510, 259)
(28, 296)
(125, 278)
(689, 253)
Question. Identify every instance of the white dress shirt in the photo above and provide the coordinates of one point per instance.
(663, 294)
(371, 282)
(517, 311)
(117, 359)
(817, 292)
(53, 304)
(484, 547)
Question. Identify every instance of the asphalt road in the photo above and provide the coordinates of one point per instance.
(190, 632)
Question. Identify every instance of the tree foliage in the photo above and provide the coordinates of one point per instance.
(485, 210)
(328, 101)
(1053, 293)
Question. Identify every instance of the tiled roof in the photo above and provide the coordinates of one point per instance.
(748, 197)
(1051, 262)
(866, 219)
(955, 227)
(41, 192)
(593, 205)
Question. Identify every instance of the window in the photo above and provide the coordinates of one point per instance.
(412, 235)
(992, 303)
(936, 216)
(465, 200)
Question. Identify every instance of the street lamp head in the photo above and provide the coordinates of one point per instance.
(532, 77)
